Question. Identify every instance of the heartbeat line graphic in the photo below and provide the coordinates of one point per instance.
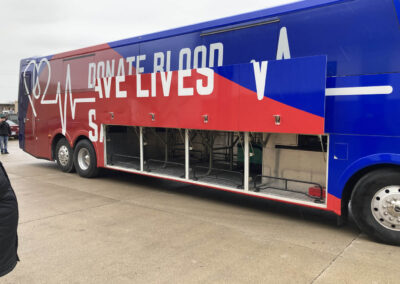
(36, 92)
(36, 87)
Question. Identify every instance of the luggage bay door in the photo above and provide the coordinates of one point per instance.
(282, 96)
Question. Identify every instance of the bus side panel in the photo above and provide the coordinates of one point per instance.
(372, 112)
(352, 153)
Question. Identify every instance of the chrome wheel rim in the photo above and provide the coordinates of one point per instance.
(385, 207)
(63, 155)
(84, 159)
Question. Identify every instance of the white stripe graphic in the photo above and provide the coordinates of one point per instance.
(354, 91)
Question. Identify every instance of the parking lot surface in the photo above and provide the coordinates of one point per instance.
(124, 228)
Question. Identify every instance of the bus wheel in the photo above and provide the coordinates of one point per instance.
(85, 159)
(375, 204)
(64, 156)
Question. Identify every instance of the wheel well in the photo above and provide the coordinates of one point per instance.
(349, 187)
(82, 137)
(54, 144)
(60, 136)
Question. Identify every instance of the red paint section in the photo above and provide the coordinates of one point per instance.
(258, 116)
(176, 111)
(29, 133)
(334, 204)
(41, 130)
(229, 107)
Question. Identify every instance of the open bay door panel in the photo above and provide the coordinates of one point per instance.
(283, 96)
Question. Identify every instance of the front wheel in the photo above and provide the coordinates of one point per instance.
(375, 204)
(85, 159)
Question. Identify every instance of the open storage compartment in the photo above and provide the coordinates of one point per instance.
(123, 146)
(216, 157)
(294, 166)
(164, 151)
(290, 167)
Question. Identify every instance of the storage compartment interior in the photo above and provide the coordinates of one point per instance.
(123, 146)
(291, 166)
(217, 157)
(164, 151)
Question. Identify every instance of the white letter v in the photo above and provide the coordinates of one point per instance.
(260, 75)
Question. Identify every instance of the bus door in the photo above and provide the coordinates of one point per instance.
(27, 116)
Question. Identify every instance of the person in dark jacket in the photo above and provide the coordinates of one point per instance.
(8, 225)
(5, 131)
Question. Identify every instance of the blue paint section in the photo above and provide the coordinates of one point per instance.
(365, 128)
(173, 45)
(362, 152)
(236, 73)
(302, 86)
(242, 46)
(364, 114)
(341, 151)
(23, 103)
(297, 6)
(397, 6)
(358, 37)
(299, 83)
(254, 47)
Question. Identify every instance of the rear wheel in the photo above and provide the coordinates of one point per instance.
(375, 204)
(85, 159)
(64, 156)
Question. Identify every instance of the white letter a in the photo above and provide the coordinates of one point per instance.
(283, 45)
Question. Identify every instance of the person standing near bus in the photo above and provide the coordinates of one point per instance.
(5, 131)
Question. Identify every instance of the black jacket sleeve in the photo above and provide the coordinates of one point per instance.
(8, 129)
(4, 182)
(8, 225)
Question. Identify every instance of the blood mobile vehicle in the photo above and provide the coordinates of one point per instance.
(298, 103)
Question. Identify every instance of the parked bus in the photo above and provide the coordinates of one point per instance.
(297, 103)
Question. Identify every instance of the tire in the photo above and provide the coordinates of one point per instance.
(85, 159)
(64, 156)
(375, 205)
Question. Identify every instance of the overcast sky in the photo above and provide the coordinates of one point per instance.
(44, 27)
